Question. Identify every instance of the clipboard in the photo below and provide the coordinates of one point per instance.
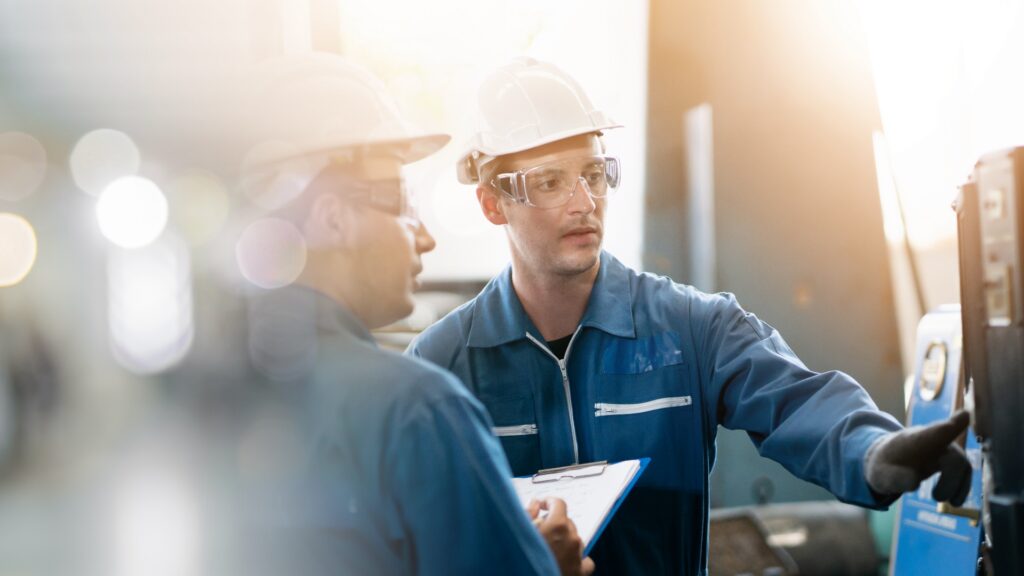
(593, 492)
(570, 472)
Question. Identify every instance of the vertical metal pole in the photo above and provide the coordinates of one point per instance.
(700, 178)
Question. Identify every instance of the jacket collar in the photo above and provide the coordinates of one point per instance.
(298, 305)
(499, 317)
(331, 316)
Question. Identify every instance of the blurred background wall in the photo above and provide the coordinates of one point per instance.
(797, 220)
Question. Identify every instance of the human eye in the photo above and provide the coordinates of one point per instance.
(547, 183)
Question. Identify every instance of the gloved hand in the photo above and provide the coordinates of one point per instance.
(898, 462)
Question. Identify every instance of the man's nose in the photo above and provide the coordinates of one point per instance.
(424, 241)
(581, 200)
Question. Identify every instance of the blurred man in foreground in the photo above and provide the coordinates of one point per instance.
(399, 472)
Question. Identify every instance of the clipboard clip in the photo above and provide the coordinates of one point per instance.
(570, 472)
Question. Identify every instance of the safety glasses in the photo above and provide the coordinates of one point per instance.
(553, 184)
(389, 196)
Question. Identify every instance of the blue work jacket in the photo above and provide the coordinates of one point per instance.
(401, 473)
(652, 370)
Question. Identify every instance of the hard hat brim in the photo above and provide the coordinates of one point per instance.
(467, 176)
(407, 150)
(419, 147)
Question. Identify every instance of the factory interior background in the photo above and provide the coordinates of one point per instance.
(802, 155)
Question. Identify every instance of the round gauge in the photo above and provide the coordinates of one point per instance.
(933, 370)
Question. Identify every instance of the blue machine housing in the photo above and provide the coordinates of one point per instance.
(926, 541)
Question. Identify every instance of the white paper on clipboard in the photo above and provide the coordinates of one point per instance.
(588, 498)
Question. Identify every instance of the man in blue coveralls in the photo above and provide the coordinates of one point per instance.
(578, 358)
(400, 473)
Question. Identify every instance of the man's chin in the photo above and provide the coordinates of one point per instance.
(397, 312)
(580, 262)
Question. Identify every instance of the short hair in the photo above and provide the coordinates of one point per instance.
(490, 170)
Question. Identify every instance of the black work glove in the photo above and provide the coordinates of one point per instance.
(898, 462)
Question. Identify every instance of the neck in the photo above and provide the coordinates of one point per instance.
(555, 303)
(323, 279)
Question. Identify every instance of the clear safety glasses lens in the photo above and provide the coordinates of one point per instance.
(385, 195)
(553, 184)
(389, 196)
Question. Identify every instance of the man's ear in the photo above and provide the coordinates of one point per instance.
(490, 205)
(331, 223)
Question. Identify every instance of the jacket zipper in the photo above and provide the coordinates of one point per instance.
(565, 386)
(518, 430)
(607, 409)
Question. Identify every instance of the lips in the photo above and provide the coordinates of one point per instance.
(581, 231)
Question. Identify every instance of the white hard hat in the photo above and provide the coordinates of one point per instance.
(525, 104)
(321, 103)
(297, 113)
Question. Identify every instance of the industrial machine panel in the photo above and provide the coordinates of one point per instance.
(931, 538)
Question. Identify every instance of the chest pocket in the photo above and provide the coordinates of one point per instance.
(515, 425)
(642, 375)
(642, 355)
(645, 405)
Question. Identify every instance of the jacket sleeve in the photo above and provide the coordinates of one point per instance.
(454, 493)
(817, 425)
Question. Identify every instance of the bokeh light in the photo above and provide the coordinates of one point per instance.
(271, 253)
(150, 305)
(17, 248)
(132, 212)
(102, 156)
(199, 206)
(22, 165)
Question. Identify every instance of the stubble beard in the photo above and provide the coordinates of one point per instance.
(576, 263)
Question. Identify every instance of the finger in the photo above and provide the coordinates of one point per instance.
(533, 509)
(556, 508)
(587, 566)
(953, 466)
(579, 544)
(572, 526)
(935, 437)
(964, 491)
(966, 479)
(945, 488)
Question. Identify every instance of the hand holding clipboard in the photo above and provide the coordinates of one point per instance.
(559, 532)
(592, 492)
